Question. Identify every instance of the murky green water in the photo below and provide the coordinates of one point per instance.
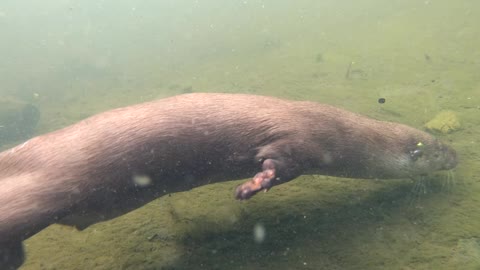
(72, 59)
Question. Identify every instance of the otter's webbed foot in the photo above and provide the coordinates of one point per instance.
(274, 172)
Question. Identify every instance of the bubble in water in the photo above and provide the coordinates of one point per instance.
(142, 180)
(259, 233)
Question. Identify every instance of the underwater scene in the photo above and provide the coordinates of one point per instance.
(414, 63)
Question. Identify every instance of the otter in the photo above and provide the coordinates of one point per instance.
(119, 160)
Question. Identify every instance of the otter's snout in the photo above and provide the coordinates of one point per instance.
(450, 157)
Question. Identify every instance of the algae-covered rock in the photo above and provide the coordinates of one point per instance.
(444, 122)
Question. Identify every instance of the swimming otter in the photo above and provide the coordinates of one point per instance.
(119, 160)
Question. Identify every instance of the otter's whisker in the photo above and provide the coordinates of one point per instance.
(419, 189)
(449, 181)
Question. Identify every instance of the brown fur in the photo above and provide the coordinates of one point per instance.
(85, 173)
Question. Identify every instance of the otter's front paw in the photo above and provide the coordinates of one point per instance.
(261, 181)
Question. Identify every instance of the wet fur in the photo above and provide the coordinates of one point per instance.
(84, 173)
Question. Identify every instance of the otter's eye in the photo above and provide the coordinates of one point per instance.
(416, 154)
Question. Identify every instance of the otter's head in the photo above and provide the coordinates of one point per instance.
(425, 154)
(432, 156)
(403, 151)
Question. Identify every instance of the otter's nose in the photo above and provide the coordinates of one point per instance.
(451, 160)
